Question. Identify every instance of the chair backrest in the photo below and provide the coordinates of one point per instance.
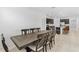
(24, 31)
(49, 36)
(43, 41)
(53, 33)
(37, 29)
(4, 44)
(2, 37)
(32, 30)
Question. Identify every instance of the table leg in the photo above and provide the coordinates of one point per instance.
(28, 49)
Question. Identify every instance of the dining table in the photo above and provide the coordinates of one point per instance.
(22, 41)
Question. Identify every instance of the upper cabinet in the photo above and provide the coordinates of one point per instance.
(49, 23)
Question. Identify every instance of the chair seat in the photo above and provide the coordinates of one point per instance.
(33, 47)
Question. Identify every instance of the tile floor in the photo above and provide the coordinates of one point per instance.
(66, 43)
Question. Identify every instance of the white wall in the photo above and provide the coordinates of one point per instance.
(57, 22)
(77, 23)
(12, 20)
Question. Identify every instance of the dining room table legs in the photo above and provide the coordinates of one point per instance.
(28, 49)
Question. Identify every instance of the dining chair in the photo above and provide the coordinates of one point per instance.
(53, 33)
(24, 31)
(6, 48)
(37, 29)
(53, 37)
(40, 45)
(49, 41)
(32, 30)
(4, 44)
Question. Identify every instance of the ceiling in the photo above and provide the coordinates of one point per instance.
(53, 11)
(60, 11)
(66, 11)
